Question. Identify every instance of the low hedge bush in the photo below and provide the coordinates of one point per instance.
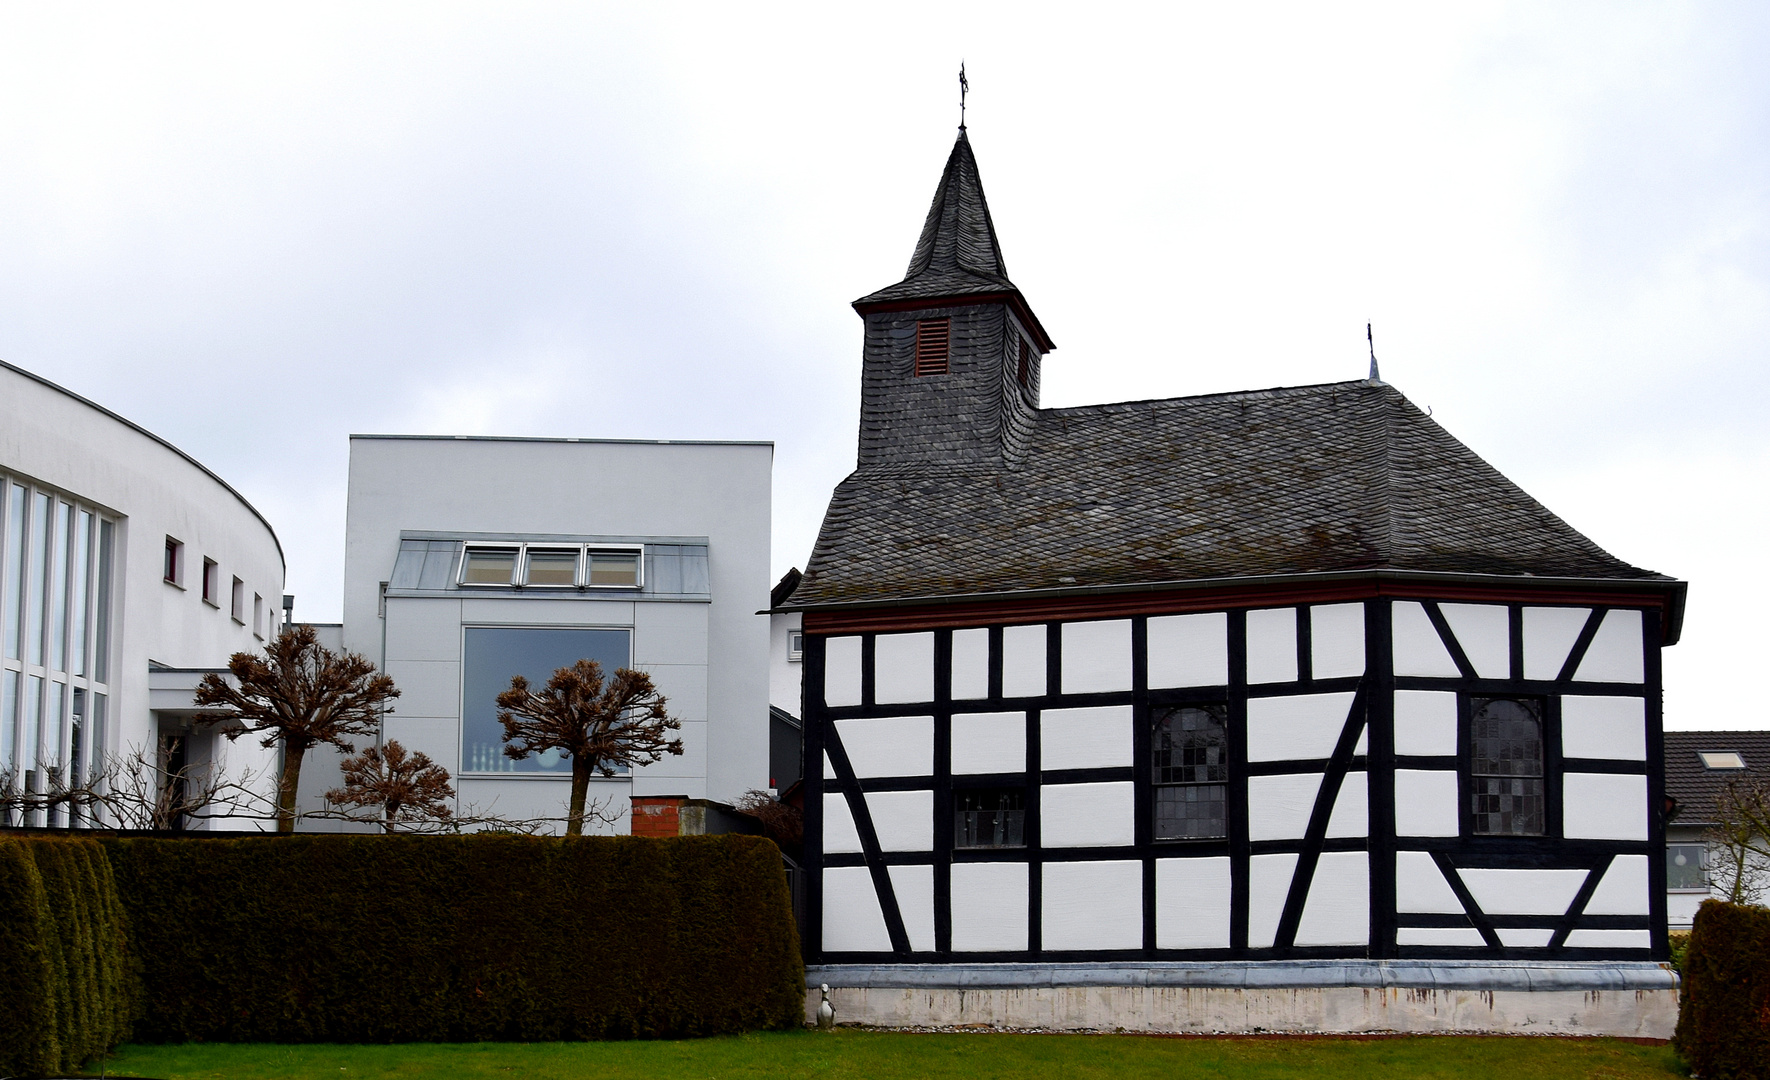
(430, 938)
(1724, 1007)
(67, 988)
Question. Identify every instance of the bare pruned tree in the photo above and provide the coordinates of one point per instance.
(1739, 841)
(299, 694)
(601, 727)
(392, 783)
(139, 789)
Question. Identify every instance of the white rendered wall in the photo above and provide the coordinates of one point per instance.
(785, 675)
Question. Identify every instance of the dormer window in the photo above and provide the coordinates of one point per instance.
(489, 566)
(933, 345)
(552, 566)
(613, 569)
(1721, 759)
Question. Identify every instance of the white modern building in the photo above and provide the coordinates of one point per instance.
(127, 569)
(471, 560)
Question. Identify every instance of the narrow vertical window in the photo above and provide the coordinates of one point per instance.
(211, 582)
(82, 571)
(258, 627)
(13, 592)
(61, 586)
(1191, 772)
(42, 552)
(933, 344)
(101, 607)
(237, 602)
(1025, 365)
(1506, 790)
(174, 572)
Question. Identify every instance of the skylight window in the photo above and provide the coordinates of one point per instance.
(489, 566)
(1721, 759)
(552, 566)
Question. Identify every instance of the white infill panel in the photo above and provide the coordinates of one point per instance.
(1425, 803)
(903, 668)
(1425, 723)
(1603, 806)
(1549, 634)
(1523, 892)
(1604, 727)
(1623, 889)
(1336, 640)
(829, 767)
(1279, 806)
(989, 907)
(1420, 888)
(1484, 632)
(1338, 910)
(1192, 903)
(889, 745)
(1609, 939)
(1094, 738)
(1087, 815)
(1092, 905)
(853, 921)
(1453, 936)
(1524, 937)
(1351, 816)
(1189, 650)
(970, 664)
(914, 887)
(1096, 657)
(1419, 651)
(1615, 654)
(842, 672)
(1269, 883)
(1023, 661)
(903, 820)
(1272, 645)
(1299, 727)
(989, 743)
(840, 835)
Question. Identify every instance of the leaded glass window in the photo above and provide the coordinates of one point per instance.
(1506, 788)
(1191, 772)
(989, 817)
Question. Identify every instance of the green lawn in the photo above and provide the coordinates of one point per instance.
(888, 1055)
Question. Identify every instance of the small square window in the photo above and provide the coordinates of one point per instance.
(795, 645)
(1687, 868)
(237, 602)
(174, 566)
(551, 566)
(989, 818)
(613, 569)
(211, 583)
(489, 566)
(1721, 759)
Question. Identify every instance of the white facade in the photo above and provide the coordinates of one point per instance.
(695, 515)
(90, 506)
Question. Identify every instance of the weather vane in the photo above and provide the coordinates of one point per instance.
(964, 88)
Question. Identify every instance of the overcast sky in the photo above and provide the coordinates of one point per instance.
(255, 230)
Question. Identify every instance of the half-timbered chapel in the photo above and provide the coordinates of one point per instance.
(1209, 694)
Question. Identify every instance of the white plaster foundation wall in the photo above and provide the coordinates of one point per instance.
(1650, 1014)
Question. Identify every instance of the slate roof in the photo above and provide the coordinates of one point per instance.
(1693, 784)
(958, 253)
(1335, 477)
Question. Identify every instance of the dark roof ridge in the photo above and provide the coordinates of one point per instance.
(1227, 395)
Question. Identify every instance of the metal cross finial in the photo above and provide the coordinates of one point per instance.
(1372, 341)
(964, 88)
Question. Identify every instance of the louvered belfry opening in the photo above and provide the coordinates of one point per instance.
(933, 345)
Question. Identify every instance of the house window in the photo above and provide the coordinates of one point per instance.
(1506, 791)
(795, 645)
(613, 569)
(989, 818)
(237, 602)
(551, 566)
(211, 583)
(174, 569)
(491, 655)
(258, 626)
(1025, 364)
(489, 566)
(933, 343)
(1191, 772)
(1687, 868)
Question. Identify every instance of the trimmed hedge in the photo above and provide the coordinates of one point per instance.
(67, 989)
(1724, 1008)
(459, 938)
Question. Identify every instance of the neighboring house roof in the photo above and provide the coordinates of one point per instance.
(1312, 479)
(1694, 785)
(784, 587)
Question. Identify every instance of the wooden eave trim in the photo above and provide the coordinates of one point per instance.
(1033, 609)
(1014, 300)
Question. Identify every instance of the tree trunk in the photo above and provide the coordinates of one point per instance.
(574, 817)
(291, 783)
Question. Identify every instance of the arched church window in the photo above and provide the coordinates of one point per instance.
(1506, 788)
(1191, 772)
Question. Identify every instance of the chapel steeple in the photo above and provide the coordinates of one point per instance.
(953, 351)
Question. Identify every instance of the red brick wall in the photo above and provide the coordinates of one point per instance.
(656, 815)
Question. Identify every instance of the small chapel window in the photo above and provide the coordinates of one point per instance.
(1506, 787)
(1191, 749)
(933, 344)
(989, 817)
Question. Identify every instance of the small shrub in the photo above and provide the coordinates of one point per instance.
(1724, 1008)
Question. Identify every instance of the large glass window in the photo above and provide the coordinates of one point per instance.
(989, 817)
(9, 681)
(36, 601)
(1506, 789)
(64, 549)
(492, 655)
(101, 635)
(1191, 772)
(81, 568)
(14, 594)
